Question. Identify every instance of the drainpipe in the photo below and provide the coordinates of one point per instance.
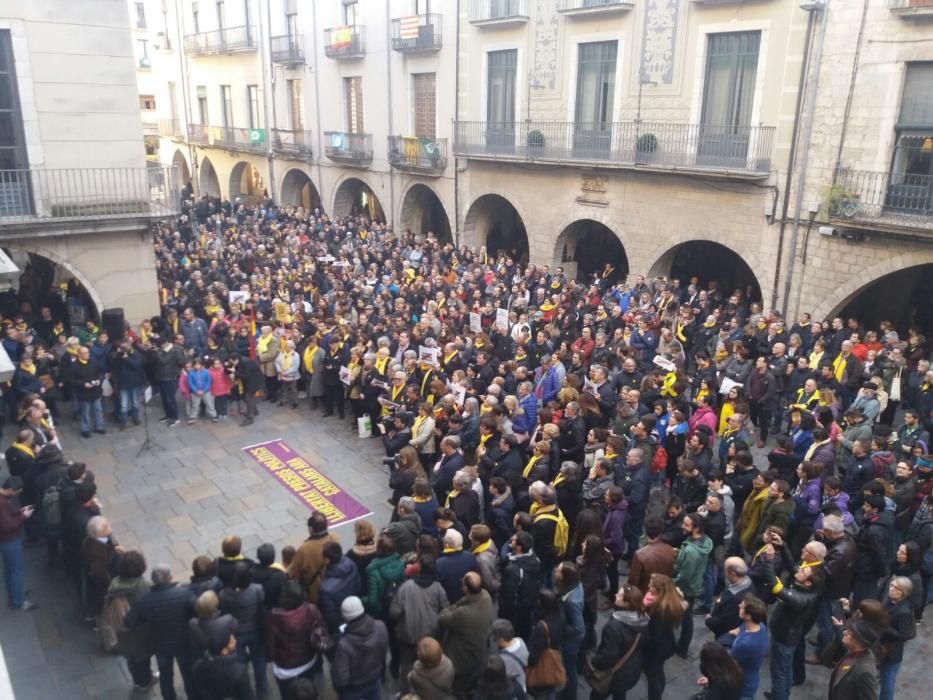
(804, 64)
(317, 108)
(814, 80)
(391, 110)
(456, 231)
(268, 79)
(185, 99)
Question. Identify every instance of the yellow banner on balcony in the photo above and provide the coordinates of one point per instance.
(217, 134)
(341, 37)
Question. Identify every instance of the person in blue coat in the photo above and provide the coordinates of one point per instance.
(453, 564)
(750, 643)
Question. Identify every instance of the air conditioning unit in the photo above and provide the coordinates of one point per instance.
(827, 231)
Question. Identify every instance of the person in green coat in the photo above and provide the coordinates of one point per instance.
(383, 571)
(689, 567)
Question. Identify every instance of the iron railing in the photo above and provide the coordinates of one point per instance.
(910, 5)
(288, 49)
(170, 128)
(294, 141)
(498, 10)
(227, 40)
(417, 33)
(346, 147)
(199, 133)
(88, 193)
(593, 5)
(661, 144)
(896, 198)
(344, 42)
(417, 153)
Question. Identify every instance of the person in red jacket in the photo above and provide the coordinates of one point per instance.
(12, 518)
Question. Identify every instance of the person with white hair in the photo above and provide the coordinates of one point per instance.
(99, 554)
(288, 367)
(453, 564)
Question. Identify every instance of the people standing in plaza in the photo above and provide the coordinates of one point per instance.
(12, 517)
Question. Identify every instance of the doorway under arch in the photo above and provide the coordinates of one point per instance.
(299, 191)
(45, 281)
(246, 183)
(494, 222)
(423, 212)
(901, 297)
(709, 261)
(586, 246)
(355, 198)
(180, 166)
(207, 178)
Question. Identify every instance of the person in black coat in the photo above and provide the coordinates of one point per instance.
(86, 380)
(166, 609)
(451, 462)
(724, 615)
(626, 631)
(900, 630)
(268, 574)
(243, 599)
(249, 372)
(220, 674)
(334, 389)
(521, 579)
(130, 375)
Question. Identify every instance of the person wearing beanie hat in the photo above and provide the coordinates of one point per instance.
(873, 545)
(359, 660)
(855, 677)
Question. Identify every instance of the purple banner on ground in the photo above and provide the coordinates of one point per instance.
(308, 485)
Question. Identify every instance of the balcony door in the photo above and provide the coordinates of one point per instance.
(500, 9)
(500, 99)
(353, 88)
(596, 77)
(910, 188)
(296, 106)
(731, 67)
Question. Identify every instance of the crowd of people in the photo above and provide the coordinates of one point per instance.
(555, 449)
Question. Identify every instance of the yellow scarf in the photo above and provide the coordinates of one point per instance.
(559, 479)
(480, 548)
(449, 357)
(610, 455)
(424, 381)
(72, 350)
(418, 422)
(262, 345)
(394, 392)
(310, 352)
(816, 358)
(483, 439)
(144, 335)
(839, 368)
(381, 365)
(287, 360)
(452, 550)
(28, 366)
(83, 362)
(421, 499)
(24, 448)
(529, 466)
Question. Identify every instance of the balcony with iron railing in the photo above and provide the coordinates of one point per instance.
(498, 13)
(910, 9)
(86, 194)
(733, 151)
(417, 33)
(170, 128)
(881, 199)
(344, 43)
(288, 49)
(199, 134)
(418, 154)
(220, 41)
(591, 8)
(349, 148)
(292, 142)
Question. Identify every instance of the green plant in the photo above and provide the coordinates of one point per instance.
(535, 139)
(839, 200)
(647, 143)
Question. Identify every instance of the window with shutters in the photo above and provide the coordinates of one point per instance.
(353, 88)
(226, 103)
(296, 106)
(424, 107)
(351, 13)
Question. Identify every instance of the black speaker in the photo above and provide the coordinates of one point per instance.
(112, 322)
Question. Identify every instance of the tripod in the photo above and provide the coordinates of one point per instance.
(148, 443)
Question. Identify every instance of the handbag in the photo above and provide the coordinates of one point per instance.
(601, 680)
(549, 671)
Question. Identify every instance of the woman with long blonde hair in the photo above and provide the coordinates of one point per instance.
(665, 606)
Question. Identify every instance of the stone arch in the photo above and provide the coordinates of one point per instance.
(55, 258)
(837, 300)
(355, 196)
(298, 190)
(709, 260)
(495, 222)
(207, 178)
(422, 211)
(586, 244)
(246, 182)
(180, 166)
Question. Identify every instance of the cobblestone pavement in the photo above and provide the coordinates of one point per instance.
(179, 499)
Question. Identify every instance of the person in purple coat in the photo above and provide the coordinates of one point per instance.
(614, 531)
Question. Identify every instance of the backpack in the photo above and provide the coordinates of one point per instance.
(52, 508)
(659, 461)
(561, 531)
(388, 595)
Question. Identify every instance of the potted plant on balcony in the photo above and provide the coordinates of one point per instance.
(842, 202)
(645, 147)
(535, 139)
